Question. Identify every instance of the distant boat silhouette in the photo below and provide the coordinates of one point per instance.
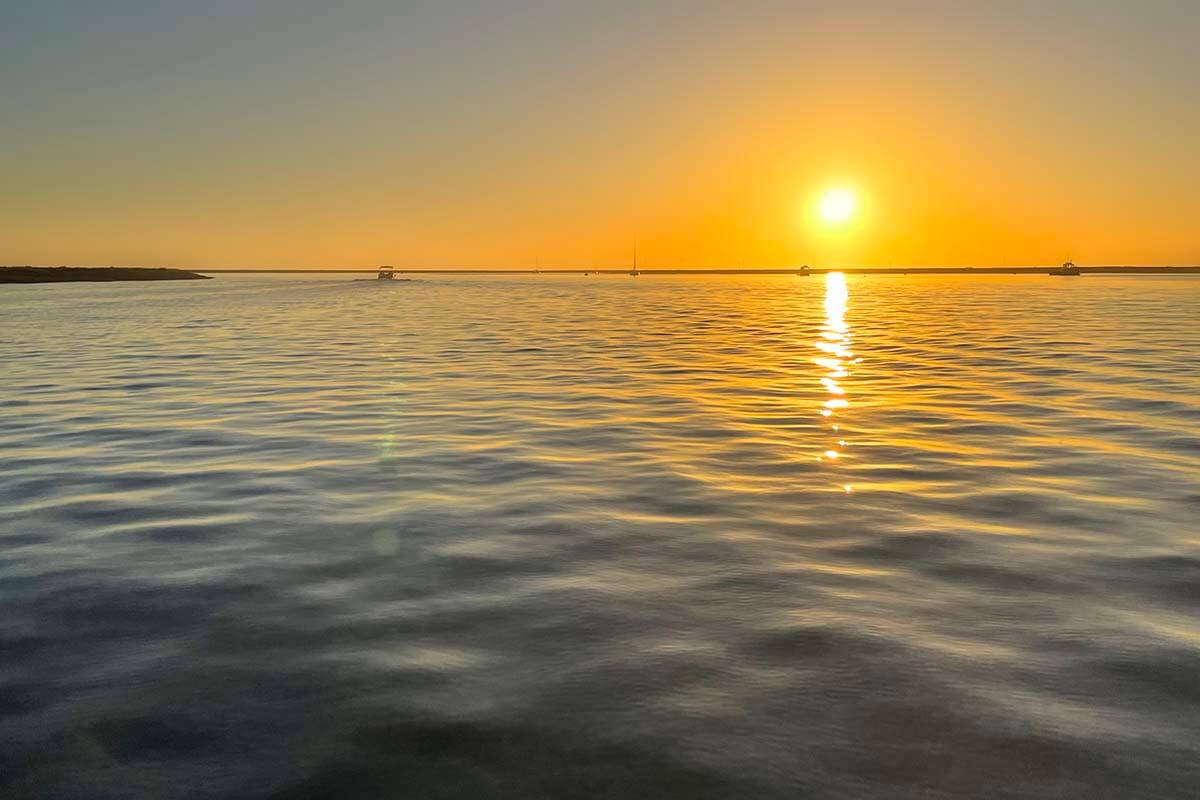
(386, 273)
(634, 272)
(804, 270)
(1068, 268)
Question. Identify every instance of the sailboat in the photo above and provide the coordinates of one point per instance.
(634, 272)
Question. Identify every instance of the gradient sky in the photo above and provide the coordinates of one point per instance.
(322, 134)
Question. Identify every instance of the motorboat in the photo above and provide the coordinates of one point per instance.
(1068, 268)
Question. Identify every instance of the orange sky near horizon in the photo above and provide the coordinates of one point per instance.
(495, 135)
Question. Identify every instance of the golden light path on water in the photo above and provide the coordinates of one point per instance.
(834, 357)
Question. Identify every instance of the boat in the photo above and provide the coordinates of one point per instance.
(634, 272)
(387, 273)
(804, 270)
(1068, 268)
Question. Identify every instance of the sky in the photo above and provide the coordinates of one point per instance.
(293, 133)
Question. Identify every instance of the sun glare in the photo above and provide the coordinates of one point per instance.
(836, 205)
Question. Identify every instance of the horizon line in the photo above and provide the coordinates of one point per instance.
(1015, 269)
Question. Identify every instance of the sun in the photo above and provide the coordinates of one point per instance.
(836, 205)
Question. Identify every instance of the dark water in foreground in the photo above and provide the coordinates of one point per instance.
(570, 537)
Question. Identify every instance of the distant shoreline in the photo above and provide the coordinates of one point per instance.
(1101, 270)
(104, 274)
(25, 274)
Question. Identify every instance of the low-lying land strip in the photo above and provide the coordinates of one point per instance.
(63, 274)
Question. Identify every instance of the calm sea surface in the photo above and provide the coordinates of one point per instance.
(582, 537)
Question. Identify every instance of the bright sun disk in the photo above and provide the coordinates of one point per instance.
(836, 205)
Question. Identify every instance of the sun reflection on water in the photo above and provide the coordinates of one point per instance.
(835, 356)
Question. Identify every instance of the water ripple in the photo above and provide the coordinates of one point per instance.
(557, 536)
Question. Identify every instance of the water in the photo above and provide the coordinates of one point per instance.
(581, 537)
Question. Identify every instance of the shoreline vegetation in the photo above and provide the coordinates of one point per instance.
(28, 274)
(1098, 270)
(71, 274)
